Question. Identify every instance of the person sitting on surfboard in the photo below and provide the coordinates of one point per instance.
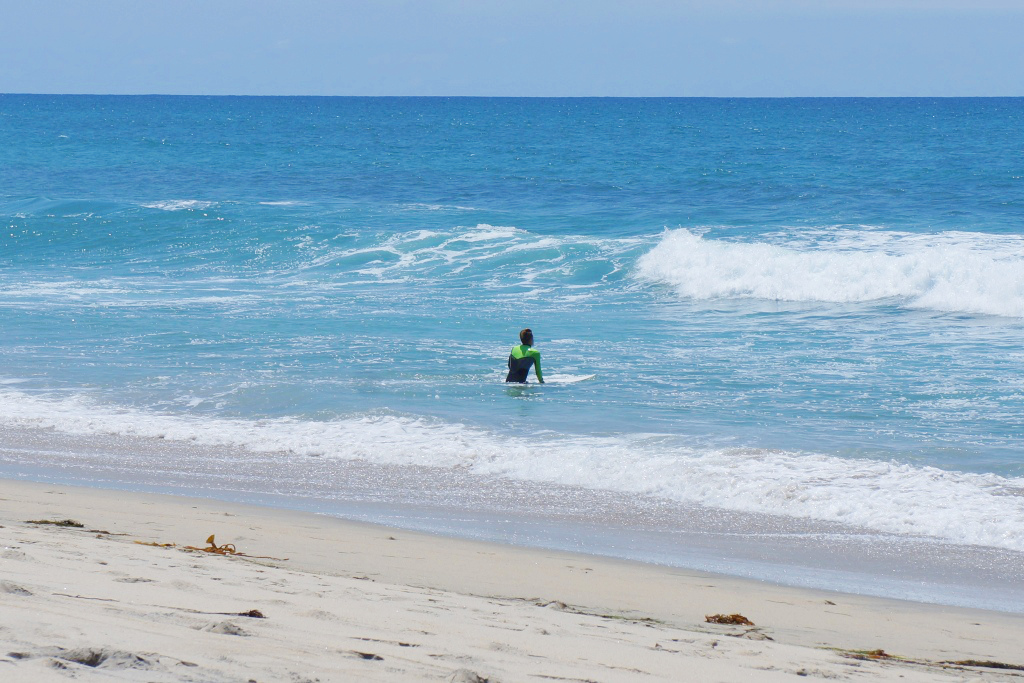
(522, 357)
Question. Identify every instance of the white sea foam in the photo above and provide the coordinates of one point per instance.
(438, 207)
(179, 205)
(502, 256)
(63, 290)
(484, 232)
(955, 272)
(122, 292)
(980, 509)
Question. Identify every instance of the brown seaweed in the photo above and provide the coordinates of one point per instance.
(729, 619)
(57, 522)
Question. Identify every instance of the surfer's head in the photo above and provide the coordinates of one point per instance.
(526, 336)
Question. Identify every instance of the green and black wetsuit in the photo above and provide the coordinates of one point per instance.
(519, 362)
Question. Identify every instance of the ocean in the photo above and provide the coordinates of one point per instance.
(782, 336)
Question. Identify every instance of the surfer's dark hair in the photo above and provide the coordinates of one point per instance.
(526, 336)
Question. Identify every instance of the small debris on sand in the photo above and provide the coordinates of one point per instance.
(729, 619)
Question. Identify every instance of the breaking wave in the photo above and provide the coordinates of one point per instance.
(955, 272)
(888, 497)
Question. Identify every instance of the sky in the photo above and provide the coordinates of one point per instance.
(623, 48)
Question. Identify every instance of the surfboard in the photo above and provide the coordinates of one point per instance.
(567, 379)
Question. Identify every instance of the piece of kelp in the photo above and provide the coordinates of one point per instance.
(729, 619)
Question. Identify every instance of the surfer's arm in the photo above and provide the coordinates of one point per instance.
(536, 366)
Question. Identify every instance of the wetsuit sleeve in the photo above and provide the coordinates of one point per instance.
(536, 366)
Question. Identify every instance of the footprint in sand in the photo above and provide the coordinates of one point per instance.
(96, 658)
(319, 614)
(225, 628)
(9, 588)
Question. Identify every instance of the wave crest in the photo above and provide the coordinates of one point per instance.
(179, 205)
(953, 272)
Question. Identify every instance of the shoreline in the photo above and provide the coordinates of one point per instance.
(509, 613)
(452, 502)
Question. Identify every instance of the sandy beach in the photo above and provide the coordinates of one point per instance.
(313, 598)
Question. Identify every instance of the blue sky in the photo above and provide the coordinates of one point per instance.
(519, 48)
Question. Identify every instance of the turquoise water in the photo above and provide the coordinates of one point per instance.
(809, 310)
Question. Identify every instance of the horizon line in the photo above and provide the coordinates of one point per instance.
(524, 97)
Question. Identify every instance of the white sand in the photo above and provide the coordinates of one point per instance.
(357, 602)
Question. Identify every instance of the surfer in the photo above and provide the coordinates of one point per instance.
(522, 357)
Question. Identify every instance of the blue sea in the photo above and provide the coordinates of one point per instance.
(782, 337)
